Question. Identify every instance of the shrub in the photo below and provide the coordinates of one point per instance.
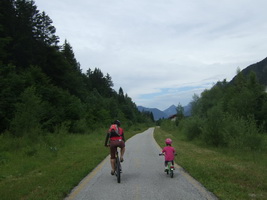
(213, 133)
(253, 142)
(234, 129)
(191, 127)
(28, 114)
(168, 125)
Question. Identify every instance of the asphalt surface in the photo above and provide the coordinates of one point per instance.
(142, 177)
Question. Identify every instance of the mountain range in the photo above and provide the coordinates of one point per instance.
(158, 114)
(260, 69)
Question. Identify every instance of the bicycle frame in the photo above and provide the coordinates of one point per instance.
(170, 167)
(118, 167)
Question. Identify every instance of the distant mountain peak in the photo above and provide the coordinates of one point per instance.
(158, 114)
(171, 110)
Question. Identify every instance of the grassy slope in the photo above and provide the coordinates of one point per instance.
(51, 168)
(51, 171)
(229, 175)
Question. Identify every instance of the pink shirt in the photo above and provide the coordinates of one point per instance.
(169, 153)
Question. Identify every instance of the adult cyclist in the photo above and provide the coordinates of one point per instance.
(115, 139)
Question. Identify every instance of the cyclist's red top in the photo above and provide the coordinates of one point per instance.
(116, 137)
(169, 153)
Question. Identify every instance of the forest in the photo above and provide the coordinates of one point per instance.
(229, 115)
(44, 89)
(54, 118)
(42, 85)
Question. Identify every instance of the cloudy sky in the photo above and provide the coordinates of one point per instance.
(162, 52)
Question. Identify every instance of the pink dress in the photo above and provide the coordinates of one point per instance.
(169, 153)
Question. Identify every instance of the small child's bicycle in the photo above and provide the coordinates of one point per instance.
(170, 167)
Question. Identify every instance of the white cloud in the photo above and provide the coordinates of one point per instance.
(150, 45)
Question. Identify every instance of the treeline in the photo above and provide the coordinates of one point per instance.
(230, 114)
(42, 85)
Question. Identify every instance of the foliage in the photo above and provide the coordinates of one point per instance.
(192, 127)
(227, 173)
(229, 114)
(53, 117)
(28, 168)
(42, 85)
(28, 114)
(180, 114)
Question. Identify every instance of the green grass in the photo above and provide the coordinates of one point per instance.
(50, 167)
(229, 174)
(53, 166)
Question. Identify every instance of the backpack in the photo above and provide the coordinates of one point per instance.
(114, 131)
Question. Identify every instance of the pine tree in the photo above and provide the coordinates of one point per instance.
(69, 56)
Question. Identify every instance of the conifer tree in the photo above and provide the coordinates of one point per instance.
(67, 52)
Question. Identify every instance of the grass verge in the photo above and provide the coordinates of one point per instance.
(50, 167)
(229, 174)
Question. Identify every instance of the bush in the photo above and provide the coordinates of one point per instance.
(242, 133)
(234, 130)
(213, 133)
(168, 125)
(191, 127)
(253, 142)
(28, 114)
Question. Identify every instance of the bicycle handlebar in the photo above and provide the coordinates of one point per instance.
(162, 154)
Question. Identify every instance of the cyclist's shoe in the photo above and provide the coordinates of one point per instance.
(112, 172)
(122, 159)
(166, 169)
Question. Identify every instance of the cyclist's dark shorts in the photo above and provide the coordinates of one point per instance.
(113, 145)
(166, 162)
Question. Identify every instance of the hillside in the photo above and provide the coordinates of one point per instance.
(260, 69)
(42, 84)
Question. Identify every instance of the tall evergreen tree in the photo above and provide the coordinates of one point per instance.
(180, 113)
(69, 56)
(34, 71)
(23, 46)
(97, 80)
(121, 96)
(7, 31)
(43, 30)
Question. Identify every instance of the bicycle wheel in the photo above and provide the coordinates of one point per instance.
(171, 173)
(118, 170)
(169, 168)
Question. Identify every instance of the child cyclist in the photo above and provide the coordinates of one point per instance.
(169, 152)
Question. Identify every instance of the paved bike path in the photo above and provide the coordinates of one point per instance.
(143, 177)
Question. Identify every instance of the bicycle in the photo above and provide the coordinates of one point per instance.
(170, 167)
(118, 167)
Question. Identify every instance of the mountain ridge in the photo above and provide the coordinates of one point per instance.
(159, 114)
(260, 69)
